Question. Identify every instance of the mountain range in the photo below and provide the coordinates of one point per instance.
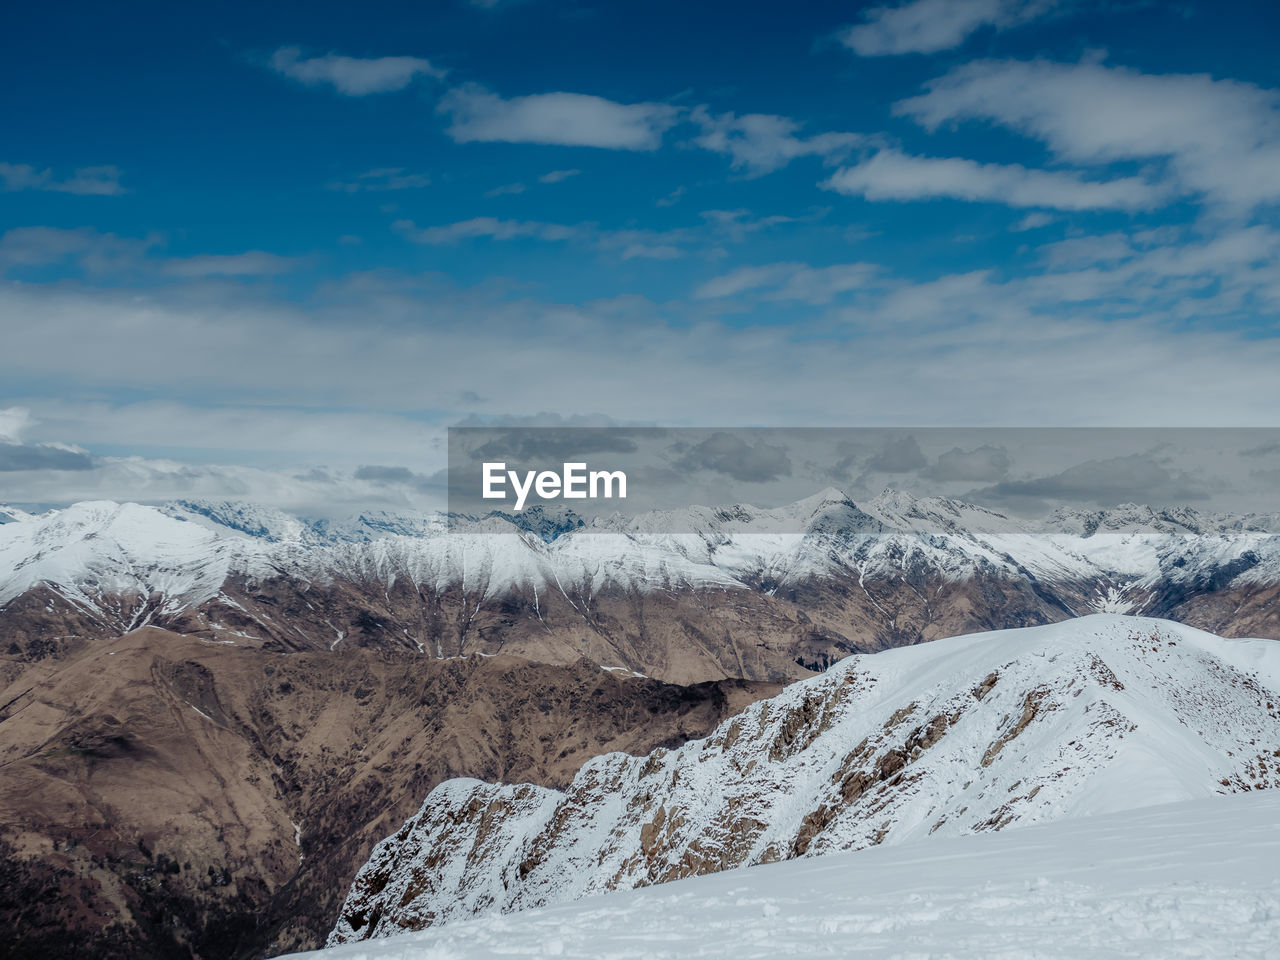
(732, 598)
(211, 712)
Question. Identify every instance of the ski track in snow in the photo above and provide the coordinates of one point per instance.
(1192, 879)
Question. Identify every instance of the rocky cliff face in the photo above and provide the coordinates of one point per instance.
(964, 735)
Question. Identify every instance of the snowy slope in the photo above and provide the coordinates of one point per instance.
(97, 553)
(970, 734)
(1192, 879)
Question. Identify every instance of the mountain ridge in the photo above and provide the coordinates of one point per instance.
(895, 570)
(966, 735)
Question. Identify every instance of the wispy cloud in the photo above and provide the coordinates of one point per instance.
(86, 181)
(353, 76)
(892, 175)
(759, 143)
(717, 227)
(95, 255)
(490, 228)
(382, 179)
(626, 244)
(643, 244)
(505, 190)
(252, 263)
(93, 252)
(555, 176)
(1033, 221)
(927, 26)
(672, 198)
(790, 281)
(1219, 138)
(565, 119)
(737, 224)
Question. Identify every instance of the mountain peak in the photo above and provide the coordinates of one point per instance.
(965, 735)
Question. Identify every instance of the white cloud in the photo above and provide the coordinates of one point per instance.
(14, 422)
(507, 189)
(672, 198)
(259, 379)
(555, 176)
(790, 281)
(641, 244)
(252, 263)
(737, 224)
(969, 343)
(353, 76)
(760, 143)
(382, 179)
(927, 26)
(1219, 138)
(95, 253)
(566, 119)
(891, 175)
(744, 279)
(651, 251)
(627, 244)
(484, 227)
(1033, 221)
(86, 181)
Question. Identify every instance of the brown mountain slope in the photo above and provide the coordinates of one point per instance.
(686, 635)
(163, 795)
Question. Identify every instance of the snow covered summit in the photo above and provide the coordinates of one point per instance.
(966, 735)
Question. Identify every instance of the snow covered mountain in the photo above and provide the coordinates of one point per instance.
(965, 735)
(738, 596)
(1190, 879)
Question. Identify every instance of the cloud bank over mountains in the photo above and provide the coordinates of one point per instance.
(971, 211)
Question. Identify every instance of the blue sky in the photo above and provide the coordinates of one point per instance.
(246, 245)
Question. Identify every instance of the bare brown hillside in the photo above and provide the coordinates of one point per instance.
(165, 796)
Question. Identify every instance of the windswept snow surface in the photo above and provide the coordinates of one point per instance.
(1191, 879)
